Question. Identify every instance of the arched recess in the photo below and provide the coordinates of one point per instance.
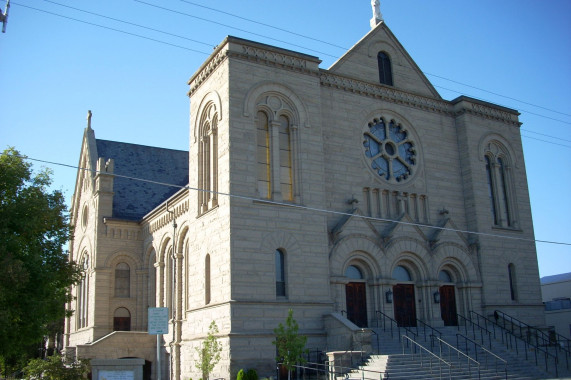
(502, 147)
(411, 250)
(459, 293)
(121, 319)
(360, 273)
(375, 47)
(212, 98)
(150, 261)
(298, 115)
(343, 251)
(286, 244)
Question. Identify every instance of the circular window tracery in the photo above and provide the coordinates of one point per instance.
(389, 150)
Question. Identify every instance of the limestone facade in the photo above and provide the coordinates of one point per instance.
(318, 190)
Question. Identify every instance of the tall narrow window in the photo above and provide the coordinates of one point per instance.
(122, 280)
(489, 176)
(263, 156)
(280, 274)
(285, 159)
(152, 285)
(385, 69)
(513, 284)
(504, 192)
(500, 185)
(207, 279)
(208, 160)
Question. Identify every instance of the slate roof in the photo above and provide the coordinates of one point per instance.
(133, 199)
(556, 278)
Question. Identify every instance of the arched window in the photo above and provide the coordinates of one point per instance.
(263, 155)
(444, 276)
(280, 274)
(122, 320)
(208, 159)
(122, 280)
(500, 185)
(353, 273)
(285, 160)
(207, 279)
(385, 69)
(513, 283)
(276, 147)
(82, 299)
(400, 273)
(491, 193)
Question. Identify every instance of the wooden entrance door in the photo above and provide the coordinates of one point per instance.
(405, 308)
(448, 305)
(356, 303)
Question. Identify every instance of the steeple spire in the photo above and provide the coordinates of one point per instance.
(377, 16)
(89, 119)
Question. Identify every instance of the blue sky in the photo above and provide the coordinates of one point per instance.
(53, 69)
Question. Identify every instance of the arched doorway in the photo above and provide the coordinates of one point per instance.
(356, 296)
(122, 320)
(403, 295)
(447, 299)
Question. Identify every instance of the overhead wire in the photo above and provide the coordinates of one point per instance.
(347, 48)
(264, 36)
(292, 205)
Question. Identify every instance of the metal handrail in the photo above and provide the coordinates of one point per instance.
(458, 354)
(392, 321)
(478, 345)
(508, 334)
(327, 365)
(481, 329)
(432, 329)
(422, 348)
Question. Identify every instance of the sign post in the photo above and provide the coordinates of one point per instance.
(158, 325)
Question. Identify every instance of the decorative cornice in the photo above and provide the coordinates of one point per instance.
(384, 93)
(207, 69)
(274, 58)
(389, 94)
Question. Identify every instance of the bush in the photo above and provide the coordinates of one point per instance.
(251, 374)
(241, 374)
(54, 368)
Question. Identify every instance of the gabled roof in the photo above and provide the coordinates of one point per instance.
(360, 62)
(133, 198)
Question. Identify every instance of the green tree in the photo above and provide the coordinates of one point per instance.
(209, 352)
(54, 368)
(290, 345)
(35, 273)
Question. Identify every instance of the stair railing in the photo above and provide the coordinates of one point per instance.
(484, 349)
(417, 347)
(451, 349)
(510, 340)
(476, 325)
(385, 318)
(431, 330)
(533, 333)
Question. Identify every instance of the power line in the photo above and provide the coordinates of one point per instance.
(233, 27)
(290, 205)
(548, 142)
(113, 29)
(210, 45)
(131, 23)
(346, 49)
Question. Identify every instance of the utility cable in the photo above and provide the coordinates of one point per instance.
(346, 49)
(291, 205)
(260, 35)
(109, 28)
(131, 23)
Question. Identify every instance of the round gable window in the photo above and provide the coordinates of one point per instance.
(389, 150)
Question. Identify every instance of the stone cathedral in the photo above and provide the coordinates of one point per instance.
(342, 193)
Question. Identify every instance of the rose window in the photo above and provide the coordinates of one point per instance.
(389, 150)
